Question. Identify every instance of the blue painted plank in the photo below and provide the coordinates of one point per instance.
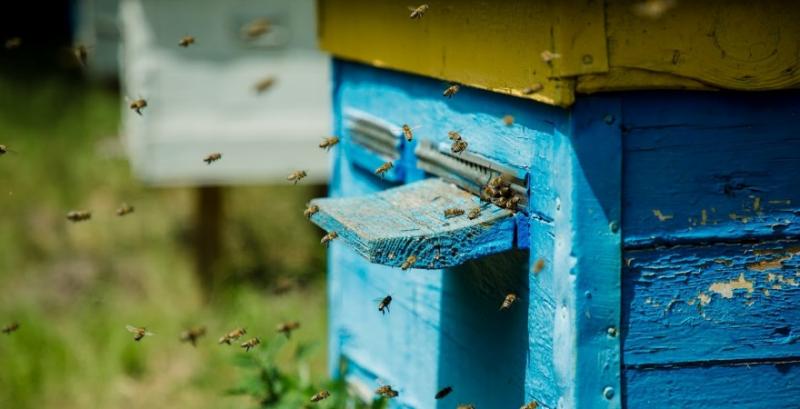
(718, 302)
(389, 227)
(750, 385)
(710, 167)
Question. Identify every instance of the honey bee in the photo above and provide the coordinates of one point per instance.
(13, 42)
(286, 328)
(459, 146)
(138, 333)
(465, 406)
(453, 212)
(193, 334)
(384, 168)
(444, 392)
(510, 299)
(538, 266)
(418, 12)
(310, 211)
(125, 209)
(232, 336)
(508, 120)
(250, 344)
(532, 89)
(451, 90)
(511, 203)
(474, 213)
(320, 396)
(531, 405)
(212, 157)
(407, 132)
(186, 41)
(409, 262)
(387, 391)
(256, 28)
(4, 149)
(81, 53)
(296, 176)
(79, 215)
(8, 329)
(138, 105)
(328, 143)
(383, 306)
(326, 239)
(653, 8)
(264, 84)
(454, 136)
(548, 56)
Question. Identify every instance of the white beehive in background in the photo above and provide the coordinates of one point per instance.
(202, 99)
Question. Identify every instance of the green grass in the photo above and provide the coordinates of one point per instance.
(74, 287)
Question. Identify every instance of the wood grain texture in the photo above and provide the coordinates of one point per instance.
(718, 303)
(706, 167)
(746, 385)
(390, 226)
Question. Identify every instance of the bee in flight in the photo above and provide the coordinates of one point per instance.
(532, 89)
(81, 53)
(459, 146)
(328, 143)
(4, 149)
(296, 176)
(326, 239)
(465, 406)
(384, 168)
(186, 41)
(474, 213)
(548, 56)
(264, 84)
(256, 28)
(531, 405)
(79, 215)
(138, 332)
(418, 12)
(444, 392)
(212, 157)
(310, 211)
(387, 391)
(408, 132)
(538, 266)
(320, 396)
(453, 212)
(383, 306)
(508, 120)
(232, 336)
(193, 334)
(510, 299)
(250, 344)
(125, 209)
(13, 42)
(409, 262)
(8, 329)
(451, 90)
(138, 105)
(286, 328)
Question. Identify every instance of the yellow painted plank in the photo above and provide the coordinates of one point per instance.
(630, 79)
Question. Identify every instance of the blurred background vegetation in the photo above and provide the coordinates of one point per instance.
(74, 287)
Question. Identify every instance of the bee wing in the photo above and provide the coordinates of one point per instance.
(132, 329)
(412, 8)
(148, 333)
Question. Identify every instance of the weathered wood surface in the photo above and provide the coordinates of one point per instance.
(390, 226)
(744, 385)
(717, 303)
(706, 167)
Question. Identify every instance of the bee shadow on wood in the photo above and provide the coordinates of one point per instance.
(483, 349)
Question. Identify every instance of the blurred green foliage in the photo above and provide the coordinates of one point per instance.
(74, 286)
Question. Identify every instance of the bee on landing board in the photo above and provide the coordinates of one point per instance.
(409, 262)
(451, 90)
(453, 212)
(186, 41)
(296, 176)
(474, 213)
(383, 306)
(212, 157)
(232, 336)
(79, 215)
(125, 209)
(138, 332)
(454, 136)
(510, 299)
(264, 84)
(138, 105)
(250, 344)
(326, 239)
(320, 396)
(8, 329)
(328, 143)
(531, 405)
(418, 12)
(310, 211)
(459, 146)
(444, 392)
(384, 168)
(286, 328)
(193, 334)
(387, 391)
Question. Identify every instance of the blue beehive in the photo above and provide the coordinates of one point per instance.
(653, 251)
